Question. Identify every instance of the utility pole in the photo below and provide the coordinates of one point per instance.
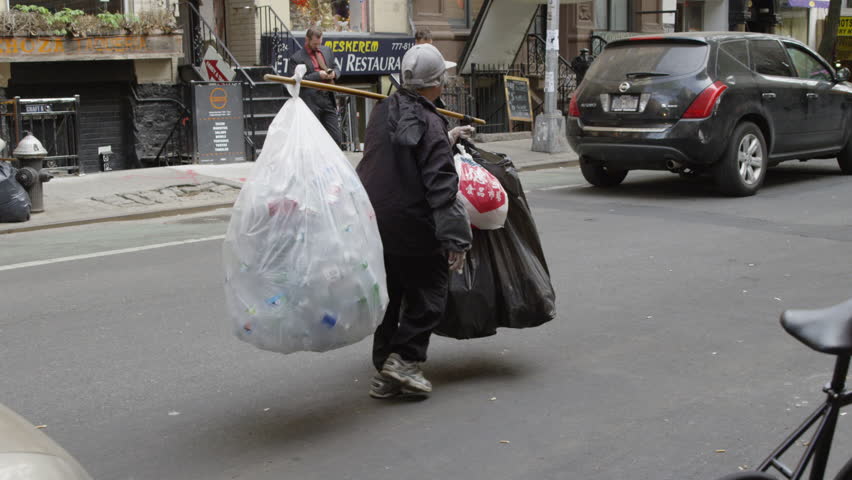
(549, 134)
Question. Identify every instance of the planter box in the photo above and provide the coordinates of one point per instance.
(116, 47)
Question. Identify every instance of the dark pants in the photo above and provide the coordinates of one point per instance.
(417, 287)
(325, 110)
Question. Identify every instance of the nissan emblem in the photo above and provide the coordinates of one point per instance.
(625, 86)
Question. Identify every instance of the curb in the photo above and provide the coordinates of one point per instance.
(170, 211)
(164, 212)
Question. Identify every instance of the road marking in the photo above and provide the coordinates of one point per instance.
(108, 253)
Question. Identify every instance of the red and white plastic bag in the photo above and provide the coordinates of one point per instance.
(483, 196)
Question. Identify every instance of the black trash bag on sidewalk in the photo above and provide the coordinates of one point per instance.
(505, 282)
(14, 202)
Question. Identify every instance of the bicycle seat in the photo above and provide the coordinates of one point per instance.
(827, 330)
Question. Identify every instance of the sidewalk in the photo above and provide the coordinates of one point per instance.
(153, 192)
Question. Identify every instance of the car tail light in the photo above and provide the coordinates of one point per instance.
(703, 105)
(573, 107)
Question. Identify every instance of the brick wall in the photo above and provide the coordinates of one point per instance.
(243, 35)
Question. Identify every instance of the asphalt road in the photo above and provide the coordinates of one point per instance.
(667, 360)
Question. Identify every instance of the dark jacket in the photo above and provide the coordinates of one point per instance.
(313, 97)
(409, 174)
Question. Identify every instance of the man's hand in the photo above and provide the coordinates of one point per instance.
(461, 132)
(456, 261)
(324, 75)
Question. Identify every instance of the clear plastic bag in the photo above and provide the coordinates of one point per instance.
(304, 266)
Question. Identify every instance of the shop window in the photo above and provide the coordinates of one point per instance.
(330, 15)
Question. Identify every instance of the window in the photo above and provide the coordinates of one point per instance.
(612, 15)
(732, 59)
(462, 13)
(769, 58)
(807, 66)
(330, 15)
(665, 58)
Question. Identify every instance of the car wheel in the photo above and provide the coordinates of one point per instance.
(844, 158)
(601, 176)
(742, 168)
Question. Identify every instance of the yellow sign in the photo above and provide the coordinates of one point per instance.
(218, 98)
(355, 46)
(845, 27)
(42, 46)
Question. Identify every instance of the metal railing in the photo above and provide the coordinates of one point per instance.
(277, 44)
(177, 146)
(566, 78)
(176, 149)
(597, 45)
(488, 94)
(54, 121)
(204, 36)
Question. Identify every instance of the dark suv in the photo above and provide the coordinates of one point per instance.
(726, 103)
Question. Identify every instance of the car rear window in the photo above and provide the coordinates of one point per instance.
(663, 58)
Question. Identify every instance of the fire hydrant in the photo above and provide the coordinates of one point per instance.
(30, 152)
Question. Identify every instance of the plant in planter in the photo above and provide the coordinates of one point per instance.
(158, 22)
(33, 21)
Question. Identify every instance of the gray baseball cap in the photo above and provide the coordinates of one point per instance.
(423, 66)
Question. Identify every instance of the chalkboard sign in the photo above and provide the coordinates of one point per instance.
(518, 98)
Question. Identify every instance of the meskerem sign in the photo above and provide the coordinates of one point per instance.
(367, 55)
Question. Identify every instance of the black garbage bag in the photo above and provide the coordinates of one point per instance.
(14, 201)
(505, 281)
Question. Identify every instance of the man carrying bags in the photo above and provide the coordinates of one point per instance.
(410, 177)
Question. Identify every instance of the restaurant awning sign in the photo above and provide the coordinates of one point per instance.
(366, 54)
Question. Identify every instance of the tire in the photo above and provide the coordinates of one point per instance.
(844, 158)
(749, 476)
(601, 176)
(845, 473)
(742, 169)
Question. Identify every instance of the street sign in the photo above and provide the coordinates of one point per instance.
(38, 108)
(219, 127)
(214, 68)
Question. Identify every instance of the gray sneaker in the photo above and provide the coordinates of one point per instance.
(383, 387)
(406, 373)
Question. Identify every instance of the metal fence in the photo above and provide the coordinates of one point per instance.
(54, 121)
(488, 94)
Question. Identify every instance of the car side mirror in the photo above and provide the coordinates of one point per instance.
(842, 75)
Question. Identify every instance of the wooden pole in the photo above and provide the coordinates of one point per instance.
(361, 93)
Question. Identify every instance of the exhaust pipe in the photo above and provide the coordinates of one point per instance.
(674, 166)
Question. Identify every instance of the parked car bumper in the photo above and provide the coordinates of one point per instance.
(690, 143)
